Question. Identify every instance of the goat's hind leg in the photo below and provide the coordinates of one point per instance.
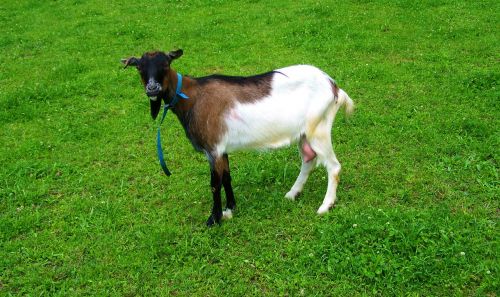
(324, 149)
(308, 163)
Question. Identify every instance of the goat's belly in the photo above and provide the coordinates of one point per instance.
(258, 141)
(262, 141)
(250, 127)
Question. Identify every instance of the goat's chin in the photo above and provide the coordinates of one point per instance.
(153, 98)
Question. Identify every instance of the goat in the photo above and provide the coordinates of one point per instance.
(270, 110)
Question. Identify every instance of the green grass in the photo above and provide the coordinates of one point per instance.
(86, 210)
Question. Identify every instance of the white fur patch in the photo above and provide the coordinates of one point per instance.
(227, 214)
(323, 209)
(291, 195)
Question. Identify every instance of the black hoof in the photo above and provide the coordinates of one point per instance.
(212, 220)
(230, 206)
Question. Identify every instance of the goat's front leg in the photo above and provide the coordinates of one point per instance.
(216, 172)
(226, 182)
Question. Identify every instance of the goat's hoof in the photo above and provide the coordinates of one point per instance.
(212, 220)
(292, 195)
(227, 214)
(324, 209)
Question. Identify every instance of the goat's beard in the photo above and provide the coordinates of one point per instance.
(155, 106)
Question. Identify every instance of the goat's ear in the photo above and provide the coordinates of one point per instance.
(155, 107)
(175, 54)
(132, 61)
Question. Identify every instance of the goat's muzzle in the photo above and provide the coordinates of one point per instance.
(153, 88)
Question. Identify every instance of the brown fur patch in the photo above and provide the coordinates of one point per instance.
(152, 54)
(241, 89)
(335, 90)
(221, 164)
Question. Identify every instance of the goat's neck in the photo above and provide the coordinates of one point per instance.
(183, 107)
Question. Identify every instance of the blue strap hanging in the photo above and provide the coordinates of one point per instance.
(178, 94)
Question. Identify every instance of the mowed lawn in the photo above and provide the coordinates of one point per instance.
(86, 210)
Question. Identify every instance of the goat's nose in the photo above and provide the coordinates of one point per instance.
(153, 87)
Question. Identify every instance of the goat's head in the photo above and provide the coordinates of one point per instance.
(154, 68)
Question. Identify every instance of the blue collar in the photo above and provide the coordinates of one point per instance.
(178, 92)
(178, 95)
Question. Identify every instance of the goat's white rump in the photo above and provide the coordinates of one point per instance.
(300, 108)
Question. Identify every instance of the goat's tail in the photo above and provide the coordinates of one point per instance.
(344, 99)
(341, 97)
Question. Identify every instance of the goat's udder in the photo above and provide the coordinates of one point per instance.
(307, 152)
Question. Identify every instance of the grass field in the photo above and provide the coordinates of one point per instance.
(86, 210)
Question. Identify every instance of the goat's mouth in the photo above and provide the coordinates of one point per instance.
(154, 95)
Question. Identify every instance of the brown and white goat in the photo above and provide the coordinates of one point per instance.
(270, 110)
